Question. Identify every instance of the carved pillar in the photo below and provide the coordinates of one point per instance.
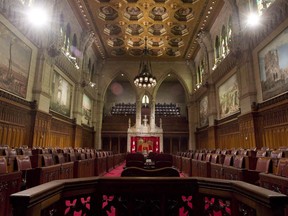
(97, 122)
(152, 113)
(212, 106)
(192, 119)
(138, 112)
(78, 103)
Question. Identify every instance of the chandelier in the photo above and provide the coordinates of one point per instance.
(144, 79)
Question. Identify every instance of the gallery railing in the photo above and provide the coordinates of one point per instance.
(148, 196)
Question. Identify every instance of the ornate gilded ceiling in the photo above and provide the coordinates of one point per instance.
(170, 26)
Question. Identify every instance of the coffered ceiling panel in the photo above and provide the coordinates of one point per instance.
(170, 26)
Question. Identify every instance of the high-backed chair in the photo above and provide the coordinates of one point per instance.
(264, 165)
(23, 164)
(3, 165)
(279, 181)
(140, 172)
(135, 160)
(47, 160)
(163, 160)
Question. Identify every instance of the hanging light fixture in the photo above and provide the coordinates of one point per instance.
(145, 78)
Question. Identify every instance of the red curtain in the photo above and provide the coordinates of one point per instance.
(144, 145)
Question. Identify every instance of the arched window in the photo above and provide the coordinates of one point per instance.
(217, 48)
(62, 35)
(229, 33)
(223, 41)
(74, 45)
(67, 38)
(198, 75)
(89, 66)
(145, 100)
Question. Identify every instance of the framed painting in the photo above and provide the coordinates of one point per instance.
(228, 94)
(86, 110)
(15, 59)
(273, 66)
(61, 94)
(203, 111)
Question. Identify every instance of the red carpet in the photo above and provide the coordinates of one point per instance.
(115, 172)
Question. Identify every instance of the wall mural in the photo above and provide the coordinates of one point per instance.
(15, 58)
(86, 110)
(203, 111)
(229, 97)
(273, 66)
(61, 95)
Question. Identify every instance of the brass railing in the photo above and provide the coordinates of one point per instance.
(148, 196)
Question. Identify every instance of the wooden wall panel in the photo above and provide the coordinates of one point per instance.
(202, 139)
(247, 131)
(62, 133)
(87, 137)
(41, 135)
(273, 123)
(15, 120)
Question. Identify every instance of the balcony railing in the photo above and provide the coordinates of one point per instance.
(148, 196)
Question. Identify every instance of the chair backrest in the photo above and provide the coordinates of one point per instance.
(134, 157)
(139, 172)
(276, 154)
(23, 162)
(261, 153)
(238, 161)
(3, 165)
(228, 160)
(208, 157)
(10, 152)
(264, 164)
(47, 160)
(282, 167)
(59, 158)
(27, 152)
(215, 158)
(200, 156)
(163, 157)
(71, 157)
(195, 156)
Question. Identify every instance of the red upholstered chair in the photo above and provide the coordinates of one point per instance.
(238, 162)
(23, 162)
(163, 160)
(135, 160)
(264, 165)
(228, 160)
(3, 165)
(59, 158)
(282, 168)
(261, 153)
(47, 160)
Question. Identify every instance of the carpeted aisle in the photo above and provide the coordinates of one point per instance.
(116, 172)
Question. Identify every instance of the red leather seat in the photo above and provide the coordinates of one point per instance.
(3, 165)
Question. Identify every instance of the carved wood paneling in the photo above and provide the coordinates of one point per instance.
(247, 131)
(78, 136)
(87, 137)
(61, 133)
(228, 135)
(202, 139)
(15, 120)
(274, 125)
(41, 135)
